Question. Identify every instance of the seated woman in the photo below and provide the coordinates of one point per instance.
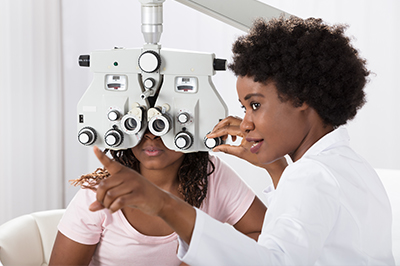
(132, 237)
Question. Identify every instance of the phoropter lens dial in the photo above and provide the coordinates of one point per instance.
(113, 137)
(183, 140)
(159, 121)
(213, 142)
(113, 115)
(87, 136)
(131, 124)
(149, 61)
(183, 117)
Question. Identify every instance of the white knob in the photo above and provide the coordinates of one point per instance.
(113, 137)
(84, 138)
(87, 136)
(149, 83)
(183, 118)
(111, 140)
(149, 61)
(181, 142)
(210, 143)
(113, 115)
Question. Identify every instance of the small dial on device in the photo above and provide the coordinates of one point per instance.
(183, 140)
(149, 61)
(113, 137)
(87, 136)
(113, 115)
(149, 83)
(213, 142)
(183, 117)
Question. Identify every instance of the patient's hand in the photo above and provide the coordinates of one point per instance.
(126, 188)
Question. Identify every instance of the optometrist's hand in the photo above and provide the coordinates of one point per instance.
(230, 126)
(127, 188)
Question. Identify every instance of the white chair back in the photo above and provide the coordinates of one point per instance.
(28, 239)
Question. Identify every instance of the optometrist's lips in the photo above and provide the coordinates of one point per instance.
(256, 145)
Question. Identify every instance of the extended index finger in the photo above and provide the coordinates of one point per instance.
(112, 166)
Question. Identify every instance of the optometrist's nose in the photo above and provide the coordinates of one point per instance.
(246, 125)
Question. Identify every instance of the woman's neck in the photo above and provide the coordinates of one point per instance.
(165, 178)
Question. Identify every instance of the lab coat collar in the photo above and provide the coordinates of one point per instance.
(338, 137)
(269, 192)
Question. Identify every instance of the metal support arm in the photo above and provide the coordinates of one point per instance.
(237, 13)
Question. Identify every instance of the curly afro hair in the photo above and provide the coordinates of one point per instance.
(309, 62)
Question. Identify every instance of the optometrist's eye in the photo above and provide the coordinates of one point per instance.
(244, 108)
(255, 106)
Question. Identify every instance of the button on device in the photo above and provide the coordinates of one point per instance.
(87, 136)
(113, 137)
(183, 140)
(219, 64)
(113, 115)
(149, 61)
(183, 117)
(84, 137)
(84, 60)
(149, 83)
(212, 143)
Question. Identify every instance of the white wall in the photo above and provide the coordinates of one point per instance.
(31, 106)
(100, 24)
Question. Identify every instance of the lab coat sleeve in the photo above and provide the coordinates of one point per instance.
(222, 244)
(302, 213)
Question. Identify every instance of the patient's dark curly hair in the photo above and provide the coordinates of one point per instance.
(308, 61)
(192, 174)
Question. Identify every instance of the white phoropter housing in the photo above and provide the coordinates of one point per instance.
(169, 92)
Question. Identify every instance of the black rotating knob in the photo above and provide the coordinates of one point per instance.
(219, 64)
(87, 136)
(149, 61)
(183, 140)
(84, 60)
(113, 137)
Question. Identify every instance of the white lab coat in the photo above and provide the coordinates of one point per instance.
(329, 208)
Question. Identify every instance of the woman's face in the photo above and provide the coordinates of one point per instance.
(153, 155)
(277, 128)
